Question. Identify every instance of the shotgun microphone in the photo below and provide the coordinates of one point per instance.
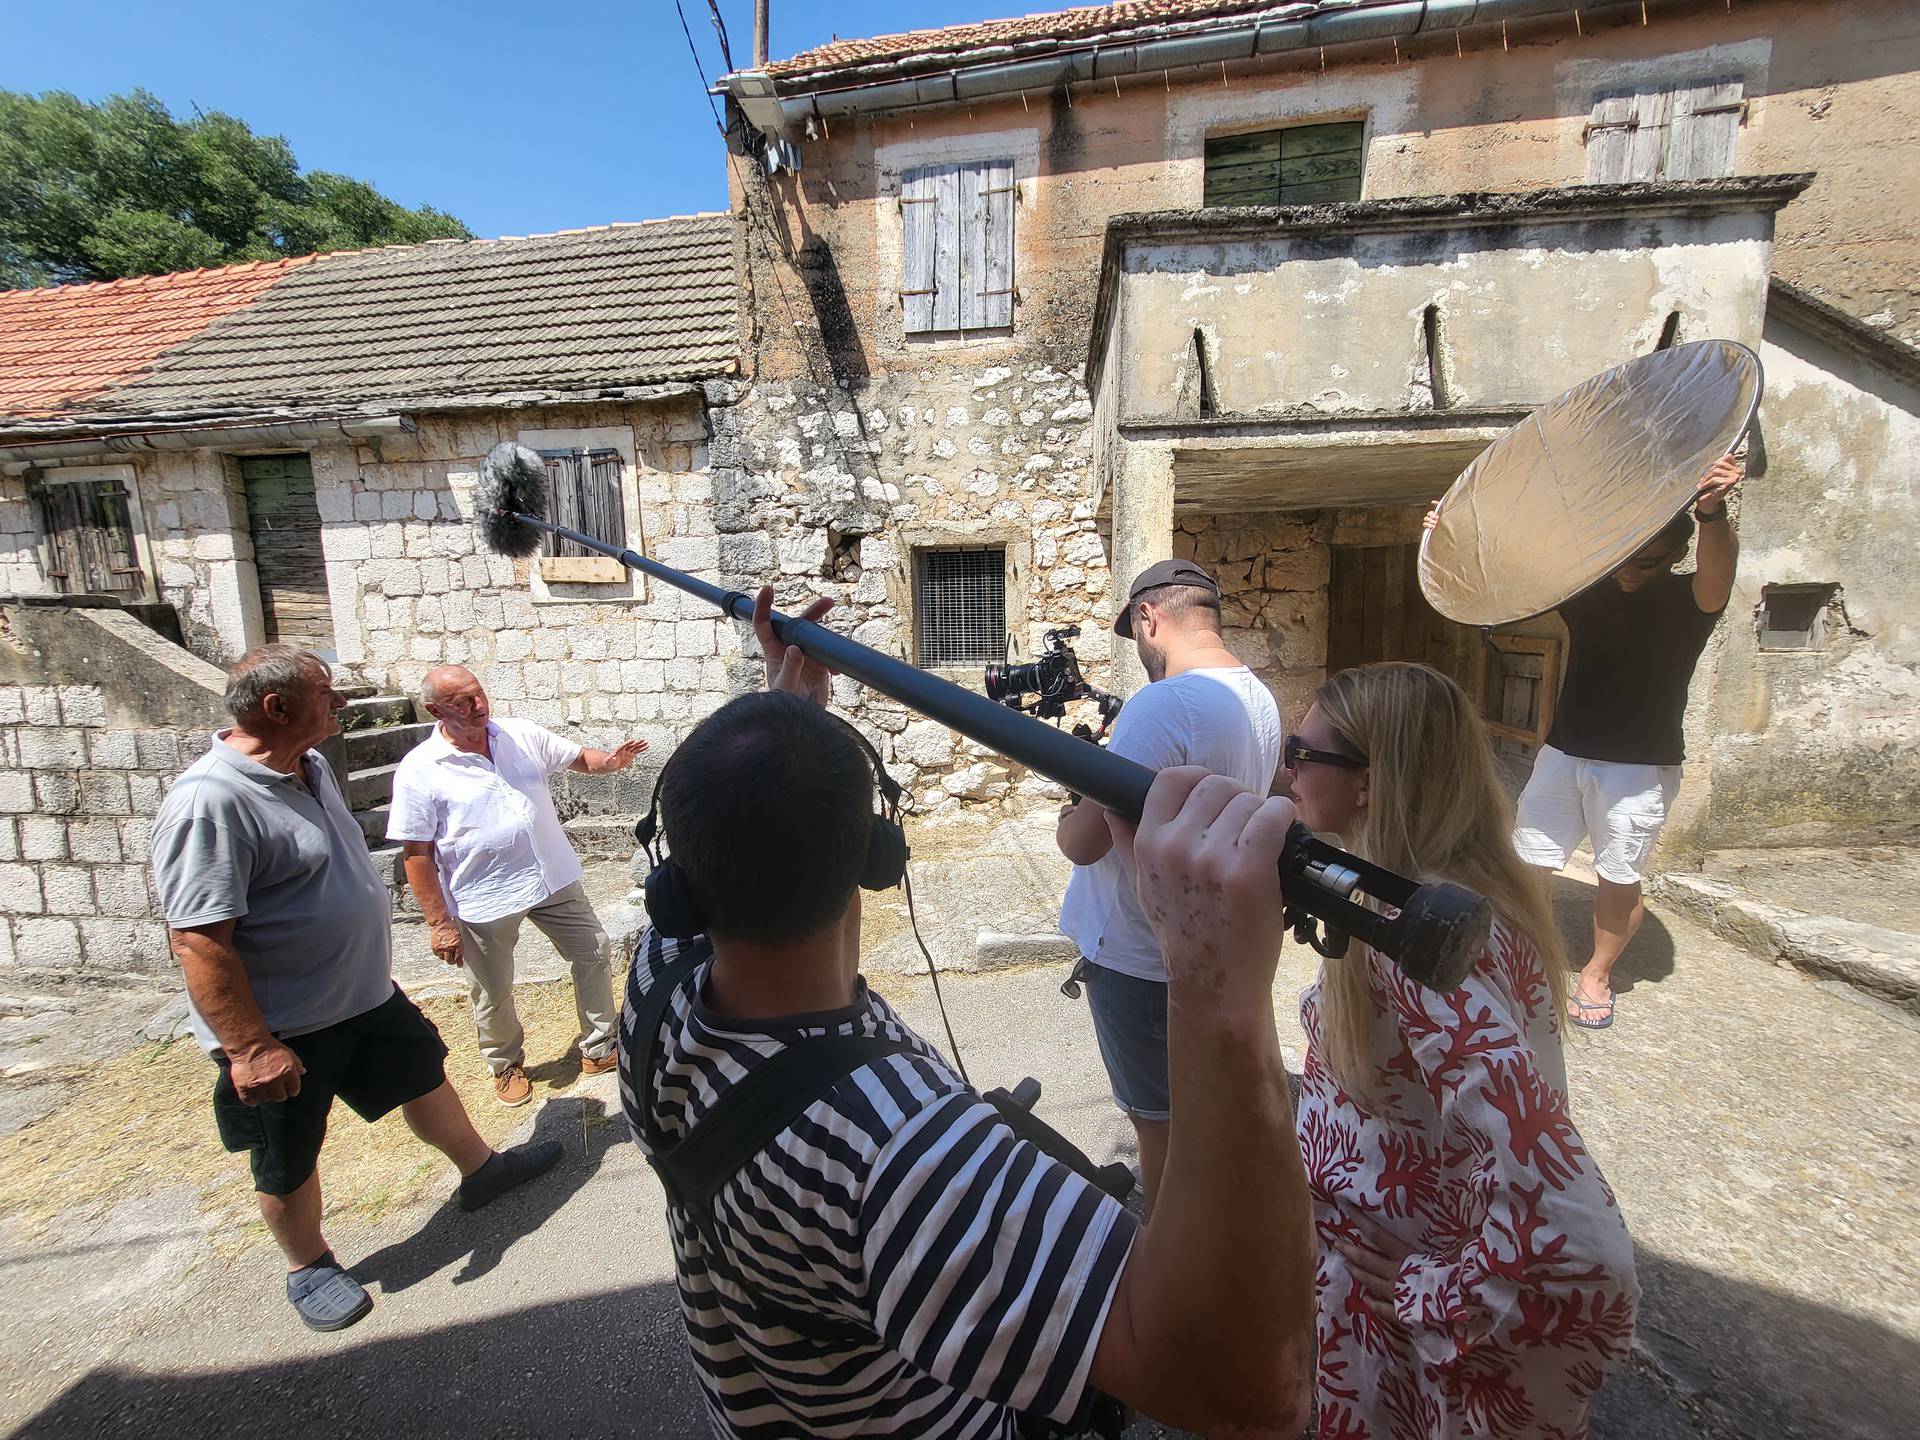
(1435, 932)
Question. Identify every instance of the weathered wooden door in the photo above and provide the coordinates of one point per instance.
(285, 523)
(1375, 611)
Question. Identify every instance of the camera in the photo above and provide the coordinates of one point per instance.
(1054, 679)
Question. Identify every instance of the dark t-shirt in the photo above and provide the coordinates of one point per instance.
(1629, 660)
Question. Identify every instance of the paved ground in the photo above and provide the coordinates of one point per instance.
(1758, 1126)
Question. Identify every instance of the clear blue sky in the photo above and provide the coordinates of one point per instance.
(515, 117)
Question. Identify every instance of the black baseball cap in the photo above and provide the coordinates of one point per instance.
(1166, 572)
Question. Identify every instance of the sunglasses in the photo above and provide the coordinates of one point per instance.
(1295, 750)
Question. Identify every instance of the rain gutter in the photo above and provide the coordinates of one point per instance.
(200, 437)
(773, 109)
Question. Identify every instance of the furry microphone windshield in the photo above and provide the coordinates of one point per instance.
(512, 479)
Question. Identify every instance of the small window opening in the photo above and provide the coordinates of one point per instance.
(1208, 404)
(1793, 617)
(960, 605)
(1670, 331)
(1436, 369)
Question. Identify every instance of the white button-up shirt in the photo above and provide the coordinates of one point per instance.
(496, 838)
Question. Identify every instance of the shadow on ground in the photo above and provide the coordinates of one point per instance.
(1649, 956)
(580, 1125)
(616, 1363)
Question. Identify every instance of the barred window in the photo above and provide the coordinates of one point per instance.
(583, 493)
(960, 605)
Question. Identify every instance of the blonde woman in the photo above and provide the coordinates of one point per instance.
(1475, 1275)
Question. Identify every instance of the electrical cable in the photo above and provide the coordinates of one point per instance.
(698, 68)
(933, 974)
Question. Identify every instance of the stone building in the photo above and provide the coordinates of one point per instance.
(1031, 303)
(288, 451)
(999, 314)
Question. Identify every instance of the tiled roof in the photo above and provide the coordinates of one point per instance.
(615, 305)
(1078, 25)
(66, 344)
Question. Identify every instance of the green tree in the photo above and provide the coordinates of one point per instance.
(103, 191)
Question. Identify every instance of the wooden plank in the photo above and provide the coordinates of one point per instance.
(1705, 129)
(1653, 117)
(1373, 605)
(918, 217)
(971, 247)
(1338, 138)
(946, 248)
(1385, 601)
(284, 521)
(1343, 609)
(997, 311)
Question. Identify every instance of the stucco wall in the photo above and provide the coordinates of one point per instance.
(1819, 746)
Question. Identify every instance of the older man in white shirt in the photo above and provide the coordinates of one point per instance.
(485, 851)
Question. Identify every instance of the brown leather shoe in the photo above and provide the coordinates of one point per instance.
(607, 1062)
(512, 1086)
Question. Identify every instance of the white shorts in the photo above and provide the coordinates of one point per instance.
(1619, 807)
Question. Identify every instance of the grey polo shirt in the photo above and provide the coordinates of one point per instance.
(238, 840)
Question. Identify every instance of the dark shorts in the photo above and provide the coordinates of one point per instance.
(1130, 1022)
(375, 1062)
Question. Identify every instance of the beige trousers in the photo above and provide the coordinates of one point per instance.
(567, 919)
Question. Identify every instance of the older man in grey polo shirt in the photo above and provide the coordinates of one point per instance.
(281, 927)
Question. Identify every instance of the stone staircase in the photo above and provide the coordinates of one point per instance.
(377, 730)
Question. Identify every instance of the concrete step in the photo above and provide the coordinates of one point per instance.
(383, 745)
(373, 822)
(363, 712)
(602, 837)
(354, 689)
(370, 787)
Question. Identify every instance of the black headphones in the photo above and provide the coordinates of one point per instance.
(676, 913)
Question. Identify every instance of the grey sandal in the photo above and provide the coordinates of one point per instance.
(1590, 1014)
(326, 1297)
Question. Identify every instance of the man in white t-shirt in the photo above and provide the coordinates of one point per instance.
(485, 851)
(1201, 707)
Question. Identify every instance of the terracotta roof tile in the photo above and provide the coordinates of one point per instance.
(67, 344)
(1084, 23)
(606, 307)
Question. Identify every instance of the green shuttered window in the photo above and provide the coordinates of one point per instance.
(1301, 165)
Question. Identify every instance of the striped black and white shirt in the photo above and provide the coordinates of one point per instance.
(967, 1274)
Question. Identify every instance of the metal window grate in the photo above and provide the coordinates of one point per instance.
(583, 493)
(960, 605)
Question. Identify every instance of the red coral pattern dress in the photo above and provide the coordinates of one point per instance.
(1517, 1293)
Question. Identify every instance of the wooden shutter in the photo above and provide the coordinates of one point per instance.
(584, 493)
(986, 250)
(288, 555)
(1299, 165)
(1321, 163)
(919, 213)
(1243, 169)
(957, 244)
(1706, 125)
(89, 537)
(1686, 133)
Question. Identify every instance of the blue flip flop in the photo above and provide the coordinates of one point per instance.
(1583, 1008)
(326, 1297)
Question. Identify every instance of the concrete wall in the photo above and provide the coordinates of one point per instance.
(1818, 746)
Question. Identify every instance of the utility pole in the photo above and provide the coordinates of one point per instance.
(759, 34)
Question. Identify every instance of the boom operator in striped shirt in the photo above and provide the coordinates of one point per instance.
(897, 1261)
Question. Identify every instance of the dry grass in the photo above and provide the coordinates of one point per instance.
(143, 1121)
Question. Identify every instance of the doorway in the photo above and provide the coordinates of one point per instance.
(284, 521)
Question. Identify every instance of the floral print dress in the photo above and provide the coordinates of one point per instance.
(1515, 1292)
